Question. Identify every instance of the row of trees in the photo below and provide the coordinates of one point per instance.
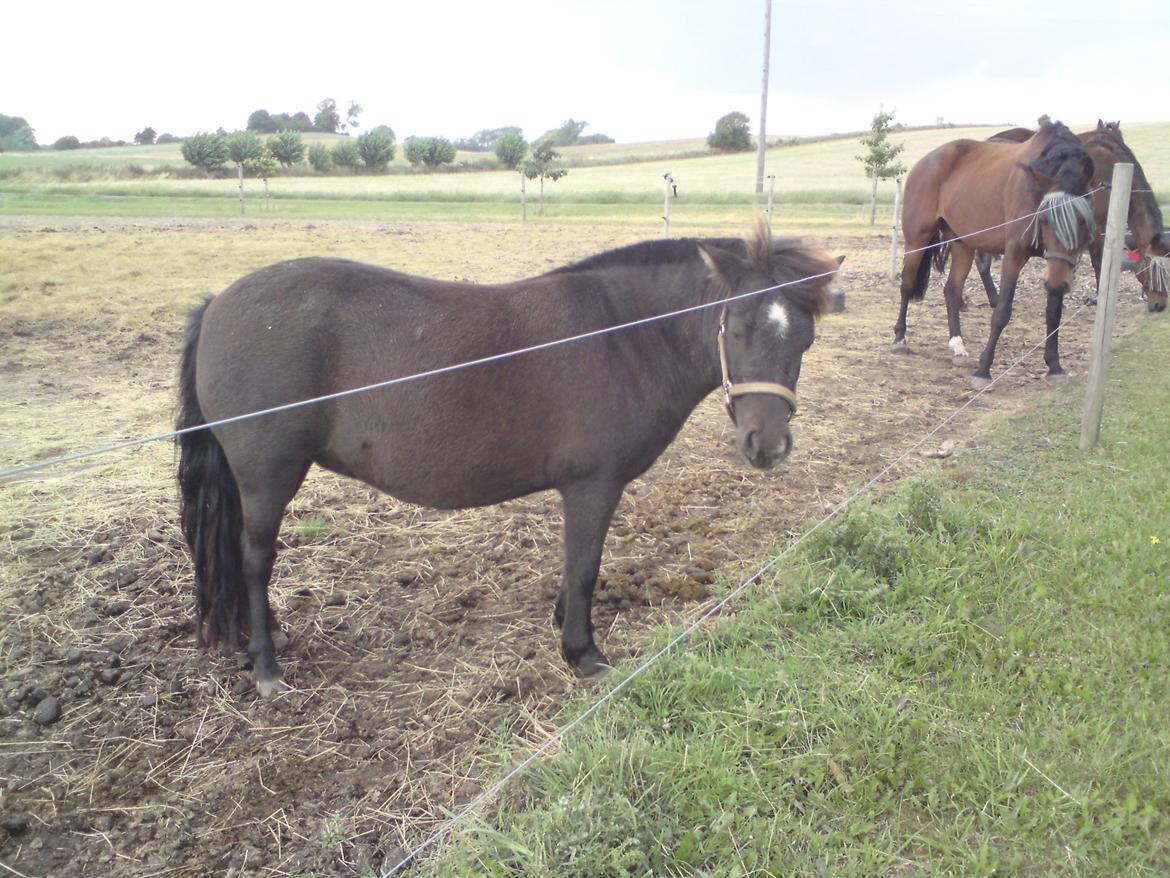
(374, 150)
(326, 120)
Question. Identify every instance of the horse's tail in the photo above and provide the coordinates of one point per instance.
(942, 254)
(211, 514)
(941, 251)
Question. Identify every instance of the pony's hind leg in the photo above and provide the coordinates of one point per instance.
(263, 503)
(961, 258)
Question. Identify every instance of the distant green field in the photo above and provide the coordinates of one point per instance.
(608, 179)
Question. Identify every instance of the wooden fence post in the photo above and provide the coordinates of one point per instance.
(771, 199)
(523, 198)
(1106, 304)
(894, 228)
(666, 207)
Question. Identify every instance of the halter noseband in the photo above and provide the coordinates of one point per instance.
(730, 390)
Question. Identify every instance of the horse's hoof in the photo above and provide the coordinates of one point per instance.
(980, 382)
(592, 665)
(1056, 378)
(900, 347)
(272, 688)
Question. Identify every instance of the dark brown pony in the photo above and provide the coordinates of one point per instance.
(1106, 147)
(583, 418)
(1018, 199)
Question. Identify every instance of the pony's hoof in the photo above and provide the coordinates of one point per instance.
(272, 688)
(900, 347)
(592, 665)
(979, 382)
(1056, 378)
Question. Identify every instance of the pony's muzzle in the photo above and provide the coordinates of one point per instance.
(763, 452)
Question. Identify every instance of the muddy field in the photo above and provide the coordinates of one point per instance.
(415, 635)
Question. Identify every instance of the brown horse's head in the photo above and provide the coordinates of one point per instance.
(1060, 173)
(1153, 273)
(762, 338)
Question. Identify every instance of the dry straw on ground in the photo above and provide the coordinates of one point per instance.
(414, 635)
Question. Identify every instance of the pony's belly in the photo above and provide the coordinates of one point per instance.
(437, 480)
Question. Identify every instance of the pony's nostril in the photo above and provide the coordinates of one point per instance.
(751, 444)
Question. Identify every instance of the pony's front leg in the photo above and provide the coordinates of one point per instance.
(999, 318)
(1057, 286)
(983, 266)
(589, 508)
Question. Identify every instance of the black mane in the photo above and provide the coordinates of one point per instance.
(785, 260)
(648, 253)
(1063, 158)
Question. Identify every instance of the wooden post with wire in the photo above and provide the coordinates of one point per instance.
(895, 227)
(671, 190)
(771, 199)
(1106, 304)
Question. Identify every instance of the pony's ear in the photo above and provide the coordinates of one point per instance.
(840, 261)
(725, 266)
(1100, 125)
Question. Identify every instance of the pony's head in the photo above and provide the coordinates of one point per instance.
(763, 337)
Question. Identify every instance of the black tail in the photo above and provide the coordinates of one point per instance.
(936, 251)
(212, 518)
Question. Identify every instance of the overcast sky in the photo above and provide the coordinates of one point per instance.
(633, 69)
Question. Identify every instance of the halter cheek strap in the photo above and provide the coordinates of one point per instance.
(731, 391)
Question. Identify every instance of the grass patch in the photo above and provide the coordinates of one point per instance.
(154, 181)
(967, 677)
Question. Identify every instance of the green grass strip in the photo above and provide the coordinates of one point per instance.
(967, 677)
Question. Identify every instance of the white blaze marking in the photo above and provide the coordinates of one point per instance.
(778, 314)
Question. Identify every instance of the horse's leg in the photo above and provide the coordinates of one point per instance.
(1052, 316)
(1013, 263)
(1057, 285)
(589, 508)
(899, 346)
(1096, 257)
(263, 501)
(961, 259)
(983, 266)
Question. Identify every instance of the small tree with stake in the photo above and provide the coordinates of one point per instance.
(880, 161)
(542, 166)
(241, 148)
(263, 165)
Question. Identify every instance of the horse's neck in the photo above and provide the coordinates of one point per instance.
(692, 338)
(1145, 219)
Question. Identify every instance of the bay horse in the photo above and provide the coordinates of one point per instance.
(1019, 199)
(1106, 147)
(584, 418)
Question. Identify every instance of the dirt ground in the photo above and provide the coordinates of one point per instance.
(415, 635)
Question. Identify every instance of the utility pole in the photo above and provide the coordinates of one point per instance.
(764, 98)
